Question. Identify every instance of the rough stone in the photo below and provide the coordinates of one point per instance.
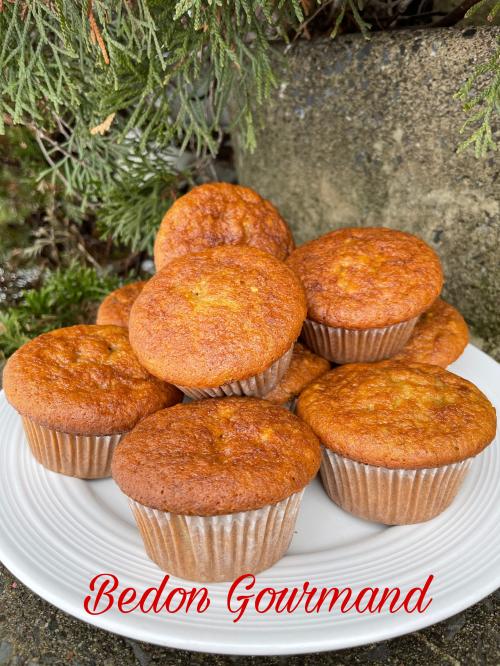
(5, 652)
(365, 133)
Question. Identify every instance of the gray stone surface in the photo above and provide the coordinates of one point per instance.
(365, 133)
(34, 632)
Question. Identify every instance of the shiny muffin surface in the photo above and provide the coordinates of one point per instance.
(398, 415)
(221, 214)
(115, 308)
(83, 379)
(304, 368)
(439, 337)
(217, 316)
(367, 277)
(216, 456)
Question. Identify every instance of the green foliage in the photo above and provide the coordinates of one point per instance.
(67, 296)
(104, 84)
(20, 164)
(137, 201)
(355, 6)
(113, 92)
(480, 95)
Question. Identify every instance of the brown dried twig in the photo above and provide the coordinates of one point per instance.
(456, 15)
(95, 34)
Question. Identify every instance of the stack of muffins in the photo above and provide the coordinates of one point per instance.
(215, 482)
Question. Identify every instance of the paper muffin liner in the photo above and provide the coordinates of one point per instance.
(345, 345)
(83, 456)
(217, 548)
(257, 386)
(390, 496)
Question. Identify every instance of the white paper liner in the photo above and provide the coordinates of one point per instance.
(217, 548)
(345, 345)
(390, 496)
(258, 386)
(83, 456)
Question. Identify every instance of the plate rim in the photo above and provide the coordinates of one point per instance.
(330, 641)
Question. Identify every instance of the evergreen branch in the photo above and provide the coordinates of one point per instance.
(162, 70)
(482, 105)
(66, 297)
(466, 8)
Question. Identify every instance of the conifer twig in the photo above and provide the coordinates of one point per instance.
(96, 34)
(456, 15)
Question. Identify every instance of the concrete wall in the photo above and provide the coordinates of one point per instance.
(365, 133)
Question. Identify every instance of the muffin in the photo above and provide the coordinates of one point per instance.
(365, 289)
(215, 485)
(115, 308)
(219, 322)
(221, 214)
(397, 438)
(304, 368)
(78, 390)
(439, 337)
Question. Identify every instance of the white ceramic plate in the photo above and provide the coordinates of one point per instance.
(58, 532)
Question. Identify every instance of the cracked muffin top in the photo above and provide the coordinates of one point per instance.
(217, 316)
(439, 337)
(221, 214)
(367, 277)
(304, 368)
(216, 456)
(397, 415)
(115, 308)
(85, 380)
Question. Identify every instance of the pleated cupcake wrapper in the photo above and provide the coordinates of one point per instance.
(258, 385)
(83, 456)
(345, 345)
(390, 496)
(217, 548)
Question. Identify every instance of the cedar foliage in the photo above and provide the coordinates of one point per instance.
(110, 108)
(115, 90)
(68, 296)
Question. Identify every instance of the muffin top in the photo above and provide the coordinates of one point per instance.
(367, 277)
(115, 308)
(439, 337)
(304, 368)
(216, 456)
(83, 379)
(397, 415)
(217, 316)
(221, 214)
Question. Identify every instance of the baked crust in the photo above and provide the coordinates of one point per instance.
(221, 214)
(439, 337)
(397, 415)
(367, 277)
(85, 380)
(304, 368)
(216, 456)
(217, 316)
(115, 308)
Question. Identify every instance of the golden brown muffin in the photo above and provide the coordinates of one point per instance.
(115, 308)
(217, 316)
(398, 415)
(304, 368)
(439, 337)
(83, 379)
(367, 277)
(221, 214)
(216, 457)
